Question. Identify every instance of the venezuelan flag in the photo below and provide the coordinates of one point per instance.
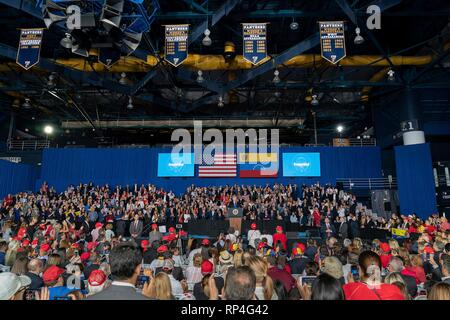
(258, 165)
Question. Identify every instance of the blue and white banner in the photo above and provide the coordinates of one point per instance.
(255, 43)
(332, 41)
(176, 165)
(29, 47)
(176, 47)
(301, 164)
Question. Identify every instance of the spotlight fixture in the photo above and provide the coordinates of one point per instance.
(358, 39)
(391, 75)
(26, 130)
(220, 103)
(200, 78)
(26, 104)
(130, 103)
(277, 94)
(276, 78)
(66, 42)
(339, 128)
(314, 101)
(123, 79)
(51, 79)
(207, 40)
(293, 25)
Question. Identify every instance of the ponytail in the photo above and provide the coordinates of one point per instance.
(268, 287)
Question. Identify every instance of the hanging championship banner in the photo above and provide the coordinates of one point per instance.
(332, 41)
(29, 47)
(176, 48)
(108, 56)
(255, 45)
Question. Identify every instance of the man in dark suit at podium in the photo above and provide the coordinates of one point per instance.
(136, 227)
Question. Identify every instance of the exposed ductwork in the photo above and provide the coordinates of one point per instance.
(187, 123)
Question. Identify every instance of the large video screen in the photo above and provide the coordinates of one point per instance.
(175, 165)
(301, 164)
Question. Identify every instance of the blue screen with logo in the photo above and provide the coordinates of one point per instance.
(175, 165)
(301, 164)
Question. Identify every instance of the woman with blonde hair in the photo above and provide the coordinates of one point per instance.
(395, 247)
(11, 253)
(264, 284)
(357, 245)
(396, 279)
(163, 288)
(440, 291)
(417, 267)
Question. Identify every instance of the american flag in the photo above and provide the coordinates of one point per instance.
(223, 165)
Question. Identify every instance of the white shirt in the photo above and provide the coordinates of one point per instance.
(177, 289)
(252, 235)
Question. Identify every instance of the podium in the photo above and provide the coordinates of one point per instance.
(235, 218)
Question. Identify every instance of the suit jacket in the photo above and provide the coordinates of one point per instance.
(136, 229)
(343, 230)
(118, 292)
(325, 234)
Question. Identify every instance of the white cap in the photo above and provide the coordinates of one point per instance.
(10, 283)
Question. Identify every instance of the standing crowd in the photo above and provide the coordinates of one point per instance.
(90, 242)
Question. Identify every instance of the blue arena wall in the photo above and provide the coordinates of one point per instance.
(416, 187)
(122, 166)
(17, 177)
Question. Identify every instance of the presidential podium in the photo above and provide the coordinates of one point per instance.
(234, 216)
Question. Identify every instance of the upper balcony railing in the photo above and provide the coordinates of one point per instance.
(28, 144)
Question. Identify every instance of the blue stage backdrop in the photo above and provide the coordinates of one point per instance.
(62, 167)
(16, 177)
(415, 180)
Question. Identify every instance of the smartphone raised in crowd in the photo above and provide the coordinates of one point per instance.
(308, 280)
(355, 272)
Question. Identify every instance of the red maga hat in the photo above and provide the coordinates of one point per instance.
(85, 256)
(162, 249)
(253, 226)
(207, 267)
(205, 242)
(52, 274)
(97, 278)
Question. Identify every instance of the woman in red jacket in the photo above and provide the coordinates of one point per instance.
(370, 287)
(316, 218)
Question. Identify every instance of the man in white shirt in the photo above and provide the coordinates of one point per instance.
(252, 235)
(177, 287)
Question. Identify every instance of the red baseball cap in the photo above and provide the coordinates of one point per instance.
(98, 225)
(154, 226)
(75, 246)
(279, 229)
(45, 247)
(52, 274)
(253, 226)
(261, 245)
(162, 249)
(35, 242)
(385, 247)
(97, 278)
(207, 267)
(171, 229)
(205, 242)
(85, 256)
(25, 243)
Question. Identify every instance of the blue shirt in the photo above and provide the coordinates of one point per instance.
(59, 292)
(2, 258)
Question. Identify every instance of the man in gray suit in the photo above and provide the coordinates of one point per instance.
(343, 228)
(125, 261)
(136, 227)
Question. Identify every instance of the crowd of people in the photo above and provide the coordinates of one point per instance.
(89, 242)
